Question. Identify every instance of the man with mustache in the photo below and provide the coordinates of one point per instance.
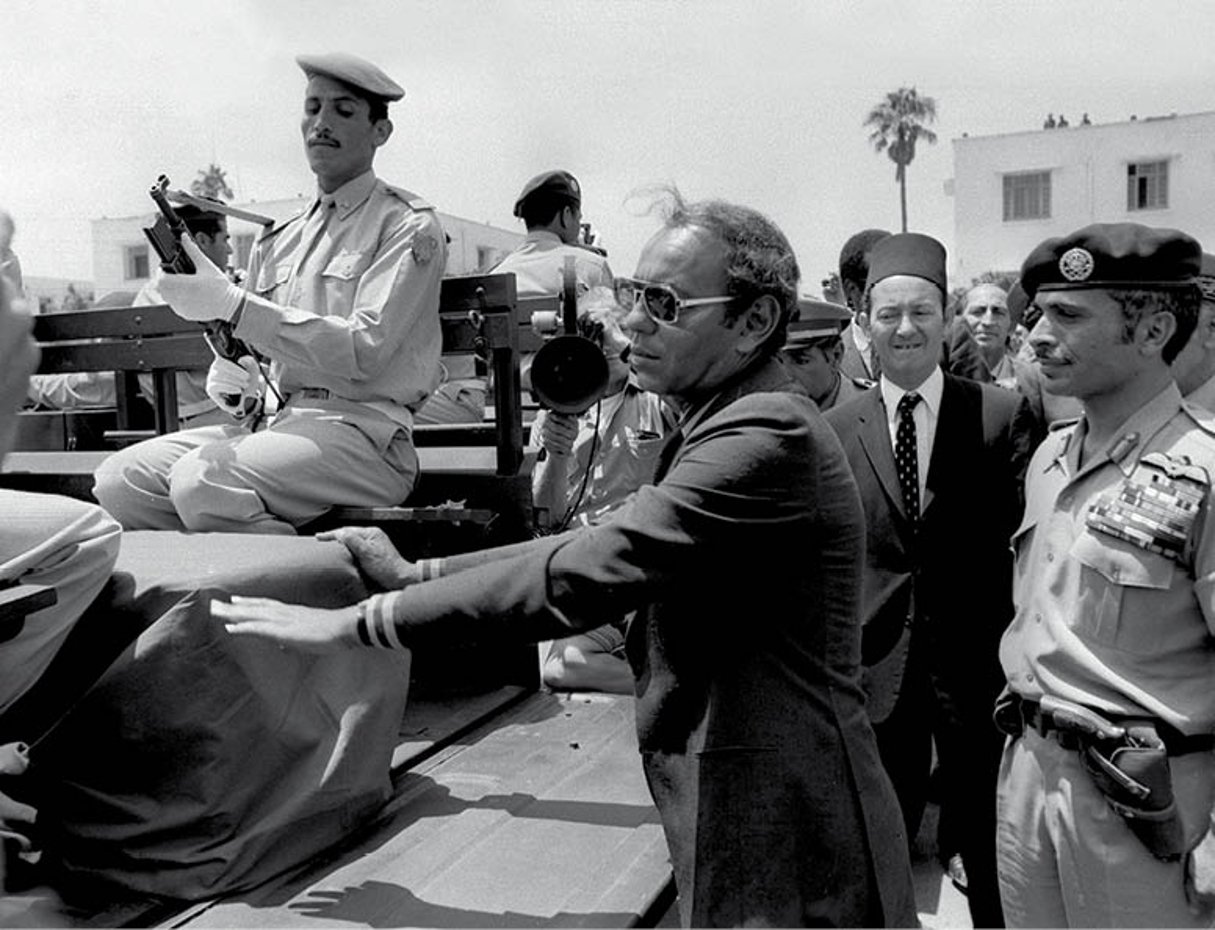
(1106, 787)
(344, 300)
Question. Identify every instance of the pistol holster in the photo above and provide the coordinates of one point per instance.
(1133, 774)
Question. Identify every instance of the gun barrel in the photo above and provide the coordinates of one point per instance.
(215, 207)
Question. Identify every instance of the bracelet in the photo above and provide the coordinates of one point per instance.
(361, 625)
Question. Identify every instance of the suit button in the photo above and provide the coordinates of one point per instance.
(1050, 556)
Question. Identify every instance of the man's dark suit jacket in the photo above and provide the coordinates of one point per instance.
(743, 562)
(936, 600)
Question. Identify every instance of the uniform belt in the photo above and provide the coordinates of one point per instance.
(1175, 742)
(313, 394)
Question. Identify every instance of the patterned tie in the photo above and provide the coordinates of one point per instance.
(906, 461)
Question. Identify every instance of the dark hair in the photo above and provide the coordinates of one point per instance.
(200, 221)
(1182, 303)
(542, 207)
(759, 259)
(854, 256)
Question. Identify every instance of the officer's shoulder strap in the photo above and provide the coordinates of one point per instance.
(1204, 419)
(409, 197)
(1064, 423)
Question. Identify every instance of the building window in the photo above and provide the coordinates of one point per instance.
(137, 263)
(242, 245)
(1027, 196)
(486, 257)
(1147, 185)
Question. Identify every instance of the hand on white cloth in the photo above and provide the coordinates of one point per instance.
(375, 555)
(235, 387)
(203, 296)
(558, 432)
(16, 818)
(308, 629)
(1200, 875)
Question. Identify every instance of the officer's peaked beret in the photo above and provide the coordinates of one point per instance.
(817, 319)
(350, 69)
(550, 182)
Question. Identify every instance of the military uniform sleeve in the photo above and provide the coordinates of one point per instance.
(399, 287)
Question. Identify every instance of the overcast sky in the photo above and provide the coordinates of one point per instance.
(757, 102)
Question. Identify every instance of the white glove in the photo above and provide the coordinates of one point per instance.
(203, 296)
(235, 387)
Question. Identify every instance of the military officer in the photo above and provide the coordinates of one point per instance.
(813, 350)
(344, 300)
(1194, 367)
(1106, 786)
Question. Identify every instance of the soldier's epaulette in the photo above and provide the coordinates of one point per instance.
(1064, 423)
(413, 200)
(591, 248)
(1204, 419)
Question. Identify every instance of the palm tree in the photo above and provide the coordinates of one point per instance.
(211, 183)
(898, 123)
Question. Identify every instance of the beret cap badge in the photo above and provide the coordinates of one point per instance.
(1076, 264)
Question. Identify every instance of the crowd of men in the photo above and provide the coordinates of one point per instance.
(842, 537)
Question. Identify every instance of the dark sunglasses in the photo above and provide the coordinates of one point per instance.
(659, 301)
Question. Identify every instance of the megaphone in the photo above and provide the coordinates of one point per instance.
(569, 372)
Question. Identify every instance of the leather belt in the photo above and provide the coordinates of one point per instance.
(1175, 742)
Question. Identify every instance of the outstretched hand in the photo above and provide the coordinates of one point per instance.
(375, 555)
(309, 629)
(1200, 876)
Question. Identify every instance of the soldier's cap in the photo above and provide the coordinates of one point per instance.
(1018, 302)
(1114, 256)
(359, 73)
(1206, 277)
(911, 254)
(550, 182)
(816, 319)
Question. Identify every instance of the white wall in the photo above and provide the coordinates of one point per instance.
(1088, 166)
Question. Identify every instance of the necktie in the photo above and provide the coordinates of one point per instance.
(905, 459)
(314, 228)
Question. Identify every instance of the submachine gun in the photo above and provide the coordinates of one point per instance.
(165, 236)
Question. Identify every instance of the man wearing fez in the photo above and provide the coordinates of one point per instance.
(1107, 782)
(813, 351)
(939, 461)
(344, 300)
(742, 562)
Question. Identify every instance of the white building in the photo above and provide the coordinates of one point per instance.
(1011, 191)
(123, 260)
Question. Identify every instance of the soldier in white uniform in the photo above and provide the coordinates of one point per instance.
(344, 300)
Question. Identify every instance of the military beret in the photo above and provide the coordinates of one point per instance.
(910, 254)
(550, 182)
(817, 319)
(1206, 277)
(350, 69)
(1113, 256)
(1018, 302)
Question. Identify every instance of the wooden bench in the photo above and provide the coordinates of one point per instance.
(483, 465)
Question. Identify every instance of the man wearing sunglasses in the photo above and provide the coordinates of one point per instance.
(741, 560)
(814, 350)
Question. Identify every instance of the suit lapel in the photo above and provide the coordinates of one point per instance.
(874, 437)
(946, 445)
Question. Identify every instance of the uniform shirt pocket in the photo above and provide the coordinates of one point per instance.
(346, 266)
(1120, 588)
(269, 279)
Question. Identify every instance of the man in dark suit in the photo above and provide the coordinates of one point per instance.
(743, 563)
(939, 462)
